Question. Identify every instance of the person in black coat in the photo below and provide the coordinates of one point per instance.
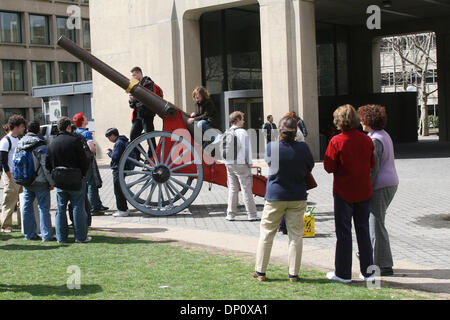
(66, 150)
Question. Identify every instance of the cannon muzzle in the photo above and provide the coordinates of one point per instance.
(150, 100)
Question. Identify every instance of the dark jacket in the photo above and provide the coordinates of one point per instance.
(206, 110)
(37, 144)
(139, 110)
(269, 127)
(119, 148)
(288, 165)
(66, 150)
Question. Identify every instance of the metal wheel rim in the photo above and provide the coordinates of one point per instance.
(173, 196)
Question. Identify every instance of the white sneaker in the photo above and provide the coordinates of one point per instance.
(367, 279)
(332, 276)
(108, 213)
(255, 218)
(120, 214)
(229, 218)
(88, 239)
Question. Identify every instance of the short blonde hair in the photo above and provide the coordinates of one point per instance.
(236, 116)
(202, 91)
(346, 118)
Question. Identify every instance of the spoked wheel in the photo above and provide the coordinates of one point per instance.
(166, 180)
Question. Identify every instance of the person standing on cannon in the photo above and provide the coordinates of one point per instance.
(142, 117)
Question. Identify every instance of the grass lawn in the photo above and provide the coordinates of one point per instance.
(128, 268)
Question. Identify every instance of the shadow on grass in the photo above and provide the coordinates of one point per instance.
(48, 290)
(125, 239)
(26, 247)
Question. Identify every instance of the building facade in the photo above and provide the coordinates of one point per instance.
(261, 57)
(30, 57)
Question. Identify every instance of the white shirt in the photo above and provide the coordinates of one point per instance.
(4, 146)
(244, 155)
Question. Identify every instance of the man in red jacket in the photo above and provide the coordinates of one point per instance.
(350, 157)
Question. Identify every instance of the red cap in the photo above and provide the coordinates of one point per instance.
(78, 119)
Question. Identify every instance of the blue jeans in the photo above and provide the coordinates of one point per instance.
(204, 125)
(79, 215)
(29, 223)
(93, 196)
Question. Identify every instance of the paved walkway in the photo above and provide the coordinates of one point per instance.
(418, 220)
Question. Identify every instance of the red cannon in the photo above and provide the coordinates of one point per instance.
(165, 180)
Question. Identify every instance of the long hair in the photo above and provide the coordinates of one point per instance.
(288, 129)
(202, 91)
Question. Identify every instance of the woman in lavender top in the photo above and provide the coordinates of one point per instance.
(384, 181)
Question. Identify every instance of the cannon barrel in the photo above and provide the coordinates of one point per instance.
(150, 100)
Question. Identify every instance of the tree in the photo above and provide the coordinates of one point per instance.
(417, 56)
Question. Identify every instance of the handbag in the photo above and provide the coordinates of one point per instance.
(67, 178)
(310, 181)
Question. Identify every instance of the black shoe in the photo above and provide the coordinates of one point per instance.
(103, 208)
(97, 213)
(36, 237)
(385, 272)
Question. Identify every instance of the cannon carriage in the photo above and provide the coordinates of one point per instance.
(167, 179)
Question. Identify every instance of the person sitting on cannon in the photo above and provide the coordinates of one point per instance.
(142, 117)
(206, 115)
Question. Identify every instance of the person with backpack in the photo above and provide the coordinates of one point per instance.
(31, 173)
(142, 118)
(120, 143)
(238, 161)
(11, 189)
(68, 164)
(94, 181)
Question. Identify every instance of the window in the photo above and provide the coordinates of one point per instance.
(86, 34)
(67, 72)
(39, 30)
(12, 111)
(87, 73)
(62, 30)
(231, 49)
(37, 114)
(13, 75)
(41, 73)
(10, 27)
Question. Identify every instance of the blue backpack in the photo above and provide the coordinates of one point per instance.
(24, 171)
(130, 165)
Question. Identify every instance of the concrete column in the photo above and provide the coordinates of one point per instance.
(304, 37)
(191, 67)
(275, 57)
(443, 65)
(376, 65)
(28, 77)
(26, 30)
(288, 49)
